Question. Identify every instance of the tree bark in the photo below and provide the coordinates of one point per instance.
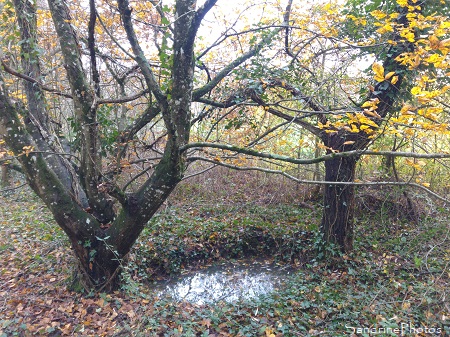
(4, 182)
(339, 203)
(337, 220)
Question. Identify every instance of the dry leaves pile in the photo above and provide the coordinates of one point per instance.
(34, 274)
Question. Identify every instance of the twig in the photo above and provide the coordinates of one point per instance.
(12, 188)
(316, 182)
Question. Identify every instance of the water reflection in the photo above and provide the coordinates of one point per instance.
(226, 282)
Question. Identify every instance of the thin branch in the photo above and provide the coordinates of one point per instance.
(267, 132)
(200, 172)
(310, 101)
(142, 61)
(355, 153)
(200, 14)
(51, 153)
(137, 176)
(32, 80)
(113, 38)
(198, 93)
(315, 182)
(12, 188)
(91, 46)
(225, 35)
(314, 130)
(123, 99)
(63, 94)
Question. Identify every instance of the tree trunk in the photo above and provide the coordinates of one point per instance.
(337, 218)
(4, 182)
(98, 266)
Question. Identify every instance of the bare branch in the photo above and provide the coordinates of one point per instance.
(201, 12)
(125, 13)
(355, 153)
(198, 93)
(315, 182)
(123, 99)
(91, 46)
(32, 80)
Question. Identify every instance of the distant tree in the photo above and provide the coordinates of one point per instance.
(318, 91)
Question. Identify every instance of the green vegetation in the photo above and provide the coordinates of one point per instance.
(398, 273)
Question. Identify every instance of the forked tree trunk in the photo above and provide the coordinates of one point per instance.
(339, 205)
(98, 266)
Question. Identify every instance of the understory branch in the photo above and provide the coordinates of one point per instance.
(316, 182)
(354, 153)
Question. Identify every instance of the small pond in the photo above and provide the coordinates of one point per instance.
(229, 282)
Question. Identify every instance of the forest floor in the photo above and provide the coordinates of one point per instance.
(396, 281)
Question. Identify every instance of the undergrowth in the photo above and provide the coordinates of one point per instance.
(184, 237)
(396, 278)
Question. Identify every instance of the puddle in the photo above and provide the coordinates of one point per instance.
(230, 283)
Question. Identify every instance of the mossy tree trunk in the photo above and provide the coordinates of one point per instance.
(77, 193)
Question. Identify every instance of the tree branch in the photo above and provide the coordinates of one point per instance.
(315, 182)
(355, 153)
(125, 14)
(200, 14)
(34, 81)
(91, 46)
(199, 92)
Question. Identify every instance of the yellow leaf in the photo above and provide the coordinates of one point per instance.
(389, 75)
(385, 29)
(372, 113)
(378, 69)
(378, 14)
(407, 110)
(349, 142)
(416, 91)
(394, 79)
(434, 41)
(416, 61)
(354, 129)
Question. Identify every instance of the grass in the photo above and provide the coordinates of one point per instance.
(397, 276)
